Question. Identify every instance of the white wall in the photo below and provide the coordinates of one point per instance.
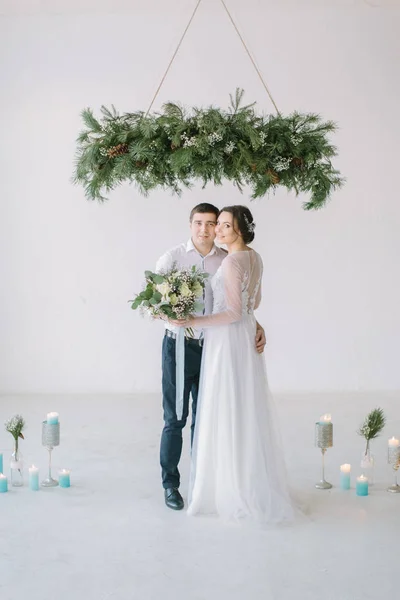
(331, 287)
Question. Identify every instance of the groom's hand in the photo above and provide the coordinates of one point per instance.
(260, 339)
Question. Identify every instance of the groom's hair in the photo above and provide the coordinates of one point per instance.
(204, 208)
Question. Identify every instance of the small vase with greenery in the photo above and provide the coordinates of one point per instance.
(15, 425)
(372, 426)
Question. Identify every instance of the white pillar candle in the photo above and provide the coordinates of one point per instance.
(52, 418)
(325, 419)
(345, 477)
(394, 443)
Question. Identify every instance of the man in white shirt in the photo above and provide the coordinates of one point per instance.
(201, 251)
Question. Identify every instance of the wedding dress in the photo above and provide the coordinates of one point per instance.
(237, 468)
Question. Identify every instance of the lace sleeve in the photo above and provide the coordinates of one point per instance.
(257, 299)
(232, 277)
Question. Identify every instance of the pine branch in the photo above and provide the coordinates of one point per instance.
(373, 424)
(172, 110)
(235, 102)
(90, 121)
(110, 115)
(172, 149)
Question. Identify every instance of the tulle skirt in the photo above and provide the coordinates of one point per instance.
(237, 469)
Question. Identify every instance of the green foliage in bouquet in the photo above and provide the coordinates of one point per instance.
(175, 148)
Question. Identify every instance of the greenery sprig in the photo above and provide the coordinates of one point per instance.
(372, 426)
(15, 425)
(175, 148)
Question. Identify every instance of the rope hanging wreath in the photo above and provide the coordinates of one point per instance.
(177, 147)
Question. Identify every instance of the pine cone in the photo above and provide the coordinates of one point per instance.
(117, 150)
(273, 176)
(140, 164)
(298, 161)
(253, 167)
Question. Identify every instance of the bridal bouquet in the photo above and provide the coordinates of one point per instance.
(173, 294)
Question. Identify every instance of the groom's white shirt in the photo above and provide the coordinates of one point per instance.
(185, 256)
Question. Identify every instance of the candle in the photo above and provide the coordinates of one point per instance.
(1, 462)
(325, 420)
(34, 478)
(3, 483)
(52, 418)
(362, 486)
(345, 477)
(64, 478)
(394, 443)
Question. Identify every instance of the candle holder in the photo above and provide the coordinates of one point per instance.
(50, 439)
(323, 440)
(394, 460)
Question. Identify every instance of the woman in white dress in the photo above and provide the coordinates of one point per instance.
(237, 466)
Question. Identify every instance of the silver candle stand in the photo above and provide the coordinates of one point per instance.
(50, 439)
(323, 440)
(394, 461)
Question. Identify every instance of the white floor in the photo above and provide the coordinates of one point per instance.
(110, 536)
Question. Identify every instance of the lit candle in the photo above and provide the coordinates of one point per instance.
(34, 478)
(3, 484)
(52, 418)
(325, 420)
(1, 462)
(362, 486)
(64, 478)
(345, 477)
(394, 443)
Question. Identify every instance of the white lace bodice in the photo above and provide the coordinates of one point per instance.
(236, 289)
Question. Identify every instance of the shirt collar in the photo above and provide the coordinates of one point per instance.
(191, 247)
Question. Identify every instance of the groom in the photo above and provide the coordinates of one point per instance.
(200, 251)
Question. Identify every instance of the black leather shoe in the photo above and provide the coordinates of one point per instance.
(173, 499)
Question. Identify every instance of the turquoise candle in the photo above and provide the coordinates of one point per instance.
(345, 477)
(1, 462)
(52, 418)
(362, 486)
(34, 478)
(64, 479)
(3, 484)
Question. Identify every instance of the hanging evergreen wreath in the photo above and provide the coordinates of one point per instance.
(175, 148)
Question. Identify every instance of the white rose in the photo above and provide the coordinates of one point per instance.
(185, 290)
(197, 289)
(164, 289)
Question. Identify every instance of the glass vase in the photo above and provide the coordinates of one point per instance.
(17, 468)
(368, 464)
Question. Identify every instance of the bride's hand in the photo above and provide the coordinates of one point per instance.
(181, 322)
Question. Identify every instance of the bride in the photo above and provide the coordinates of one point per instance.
(237, 467)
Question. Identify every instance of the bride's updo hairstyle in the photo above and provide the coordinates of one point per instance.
(243, 220)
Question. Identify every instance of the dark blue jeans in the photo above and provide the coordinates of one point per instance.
(171, 438)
